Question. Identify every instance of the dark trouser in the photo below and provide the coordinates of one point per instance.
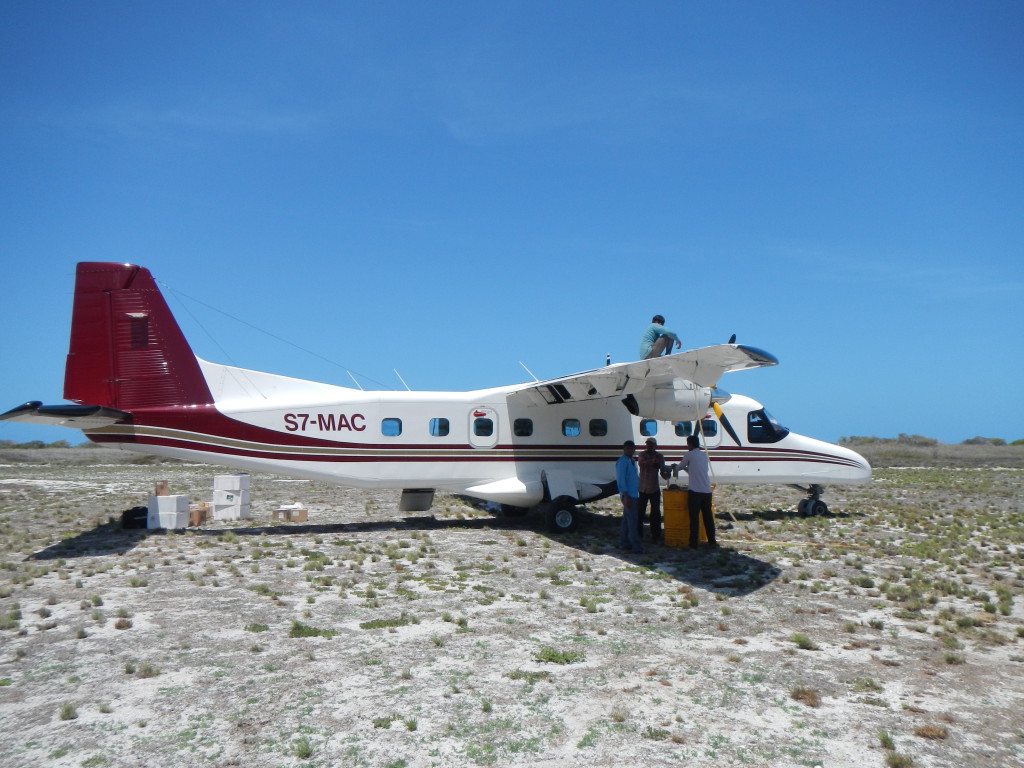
(641, 513)
(628, 537)
(661, 346)
(700, 507)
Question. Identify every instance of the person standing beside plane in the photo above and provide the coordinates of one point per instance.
(628, 480)
(695, 464)
(657, 339)
(652, 467)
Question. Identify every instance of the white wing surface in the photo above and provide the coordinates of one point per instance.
(703, 367)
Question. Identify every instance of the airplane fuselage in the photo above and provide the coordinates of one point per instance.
(482, 443)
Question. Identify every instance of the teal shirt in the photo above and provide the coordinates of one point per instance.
(651, 335)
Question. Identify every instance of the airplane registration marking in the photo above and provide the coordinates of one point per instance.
(324, 422)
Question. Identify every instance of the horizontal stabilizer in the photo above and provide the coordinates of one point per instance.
(74, 416)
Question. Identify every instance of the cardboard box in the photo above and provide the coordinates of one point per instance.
(293, 513)
(235, 482)
(167, 512)
(198, 514)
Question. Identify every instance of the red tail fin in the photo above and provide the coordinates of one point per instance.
(127, 350)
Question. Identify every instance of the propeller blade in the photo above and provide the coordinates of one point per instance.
(725, 423)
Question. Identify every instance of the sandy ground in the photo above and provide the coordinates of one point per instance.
(891, 630)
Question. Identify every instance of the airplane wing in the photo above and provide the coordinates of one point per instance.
(74, 416)
(704, 367)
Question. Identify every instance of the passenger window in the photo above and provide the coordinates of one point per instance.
(684, 428)
(483, 427)
(710, 427)
(391, 427)
(598, 427)
(648, 427)
(571, 427)
(439, 427)
(522, 427)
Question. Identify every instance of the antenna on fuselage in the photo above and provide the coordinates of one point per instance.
(355, 380)
(528, 370)
(401, 379)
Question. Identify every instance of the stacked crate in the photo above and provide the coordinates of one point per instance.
(167, 511)
(230, 497)
(676, 518)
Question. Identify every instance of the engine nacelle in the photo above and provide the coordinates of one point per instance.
(683, 402)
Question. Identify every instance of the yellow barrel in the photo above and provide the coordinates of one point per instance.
(676, 519)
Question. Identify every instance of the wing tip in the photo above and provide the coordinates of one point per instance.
(758, 355)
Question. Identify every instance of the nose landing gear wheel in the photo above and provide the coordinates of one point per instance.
(812, 506)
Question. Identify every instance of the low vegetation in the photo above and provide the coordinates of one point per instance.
(369, 637)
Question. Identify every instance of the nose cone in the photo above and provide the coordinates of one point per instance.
(859, 470)
(846, 466)
(832, 464)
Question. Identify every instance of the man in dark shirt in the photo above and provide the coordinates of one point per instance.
(652, 467)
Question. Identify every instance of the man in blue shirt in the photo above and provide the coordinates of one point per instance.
(695, 465)
(657, 339)
(628, 480)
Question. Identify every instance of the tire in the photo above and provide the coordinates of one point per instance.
(818, 508)
(562, 517)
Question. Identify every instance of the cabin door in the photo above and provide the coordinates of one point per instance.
(483, 427)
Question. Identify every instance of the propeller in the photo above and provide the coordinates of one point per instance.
(725, 422)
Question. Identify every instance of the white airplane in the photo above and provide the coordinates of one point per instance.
(136, 384)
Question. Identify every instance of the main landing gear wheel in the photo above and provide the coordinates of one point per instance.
(562, 515)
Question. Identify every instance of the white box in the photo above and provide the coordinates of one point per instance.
(167, 512)
(230, 511)
(230, 497)
(237, 482)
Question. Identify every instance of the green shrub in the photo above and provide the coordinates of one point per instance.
(803, 642)
(304, 630)
(555, 656)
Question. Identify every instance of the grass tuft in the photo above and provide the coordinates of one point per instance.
(806, 696)
(304, 630)
(555, 656)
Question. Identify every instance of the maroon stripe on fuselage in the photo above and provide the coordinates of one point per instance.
(207, 421)
(441, 454)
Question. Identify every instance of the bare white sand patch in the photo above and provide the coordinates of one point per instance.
(453, 638)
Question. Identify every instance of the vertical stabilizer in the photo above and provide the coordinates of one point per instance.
(127, 350)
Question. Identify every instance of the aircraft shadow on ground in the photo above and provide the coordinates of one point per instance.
(724, 570)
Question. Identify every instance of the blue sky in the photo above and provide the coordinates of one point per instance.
(448, 189)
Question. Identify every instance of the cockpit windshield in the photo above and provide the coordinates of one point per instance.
(762, 427)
